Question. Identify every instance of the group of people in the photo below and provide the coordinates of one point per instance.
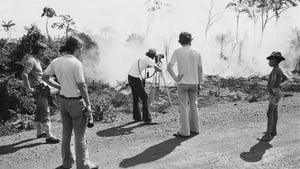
(74, 97)
(188, 79)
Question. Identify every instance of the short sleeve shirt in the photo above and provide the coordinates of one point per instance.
(34, 70)
(188, 62)
(140, 65)
(69, 72)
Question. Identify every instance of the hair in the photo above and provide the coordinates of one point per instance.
(151, 53)
(71, 44)
(37, 47)
(185, 38)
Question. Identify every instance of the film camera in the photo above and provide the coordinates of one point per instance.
(90, 119)
(158, 58)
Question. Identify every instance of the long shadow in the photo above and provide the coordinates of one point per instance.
(256, 152)
(12, 148)
(153, 153)
(118, 130)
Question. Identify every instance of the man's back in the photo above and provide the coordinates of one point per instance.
(188, 62)
(69, 72)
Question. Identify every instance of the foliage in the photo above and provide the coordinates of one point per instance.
(14, 97)
(7, 25)
(263, 9)
(67, 23)
(21, 52)
(49, 13)
(89, 43)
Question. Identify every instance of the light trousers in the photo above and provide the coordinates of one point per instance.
(73, 119)
(189, 114)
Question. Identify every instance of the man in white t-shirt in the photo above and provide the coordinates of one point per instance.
(74, 99)
(188, 81)
(137, 88)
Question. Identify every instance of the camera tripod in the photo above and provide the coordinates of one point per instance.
(156, 81)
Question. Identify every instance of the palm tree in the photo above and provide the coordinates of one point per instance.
(49, 13)
(7, 26)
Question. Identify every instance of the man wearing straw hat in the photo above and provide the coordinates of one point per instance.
(276, 77)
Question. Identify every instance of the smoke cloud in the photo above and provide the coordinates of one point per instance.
(125, 30)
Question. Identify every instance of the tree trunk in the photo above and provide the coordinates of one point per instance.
(47, 30)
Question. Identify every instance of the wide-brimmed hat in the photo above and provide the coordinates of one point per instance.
(151, 52)
(276, 55)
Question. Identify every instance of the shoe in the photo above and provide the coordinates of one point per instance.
(266, 138)
(149, 122)
(177, 134)
(62, 167)
(137, 120)
(41, 135)
(273, 134)
(194, 133)
(95, 166)
(52, 140)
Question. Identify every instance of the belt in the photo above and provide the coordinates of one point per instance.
(71, 98)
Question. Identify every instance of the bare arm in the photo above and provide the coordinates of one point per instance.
(25, 79)
(84, 93)
(51, 82)
(200, 75)
(171, 71)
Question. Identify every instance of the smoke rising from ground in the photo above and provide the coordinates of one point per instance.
(124, 31)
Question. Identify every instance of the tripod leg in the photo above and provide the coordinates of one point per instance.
(168, 92)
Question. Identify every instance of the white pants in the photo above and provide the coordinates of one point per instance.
(189, 114)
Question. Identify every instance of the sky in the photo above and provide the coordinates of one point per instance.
(111, 22)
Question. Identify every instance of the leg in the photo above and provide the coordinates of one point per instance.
(274, 127)
(144, 97)
(183, 110)
(43, 107)
(140, 91)
(193, 112)
(270, 115)
(66, 151)
(135, 99)
(79, 124)
(39, 131)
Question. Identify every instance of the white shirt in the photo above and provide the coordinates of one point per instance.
(140, 65)
(188, 62)
(69, 72)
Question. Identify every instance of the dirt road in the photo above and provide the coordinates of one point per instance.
(228, 140)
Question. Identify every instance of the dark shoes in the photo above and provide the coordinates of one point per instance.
(194, 133)
(177, 134)
(52, 140)
(267, 137)
(41, 135)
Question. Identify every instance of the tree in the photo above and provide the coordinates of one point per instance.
(212, 18)
(223, 40)
(269, 9)
(7, 26)
(66, 24)
(49, 13)
(239, 7)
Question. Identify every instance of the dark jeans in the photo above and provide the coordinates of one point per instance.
(138, 91)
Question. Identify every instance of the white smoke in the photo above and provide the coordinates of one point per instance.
(125, 30)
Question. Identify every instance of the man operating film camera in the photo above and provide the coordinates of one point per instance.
(135, 80)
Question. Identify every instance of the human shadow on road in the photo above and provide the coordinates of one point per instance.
(256, 152)
(119, 130)
(12, 148)
(153, 153)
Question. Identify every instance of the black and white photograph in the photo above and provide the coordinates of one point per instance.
(149, 84)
